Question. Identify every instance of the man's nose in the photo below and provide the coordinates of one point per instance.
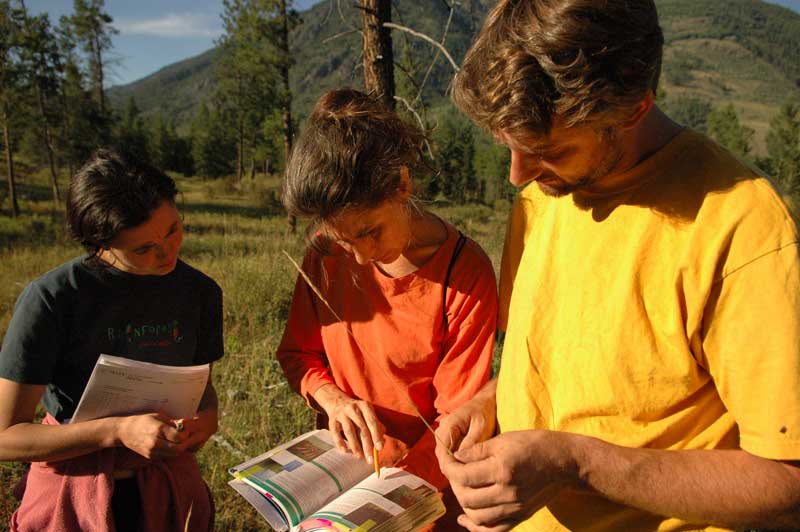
(523, 168)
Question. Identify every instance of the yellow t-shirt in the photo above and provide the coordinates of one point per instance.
(664, 316)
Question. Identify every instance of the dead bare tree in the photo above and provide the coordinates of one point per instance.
(377, 49)
(378, 57)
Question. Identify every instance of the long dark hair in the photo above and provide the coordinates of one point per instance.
(109, 194)
(350, 154)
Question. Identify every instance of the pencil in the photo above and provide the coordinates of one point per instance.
(375, 461)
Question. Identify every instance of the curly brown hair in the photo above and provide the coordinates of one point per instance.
(583, 62)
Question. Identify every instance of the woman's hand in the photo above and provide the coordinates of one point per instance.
(352, 422)
(197, 430)
(153, 436)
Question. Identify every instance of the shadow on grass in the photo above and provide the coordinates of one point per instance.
(219, 229)
(38, 191)
(32, 228)
(246, 211)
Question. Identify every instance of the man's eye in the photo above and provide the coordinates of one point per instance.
(142, 251)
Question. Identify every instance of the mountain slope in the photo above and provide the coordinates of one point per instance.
(739, 51)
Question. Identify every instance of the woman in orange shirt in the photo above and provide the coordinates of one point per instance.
(418, 297)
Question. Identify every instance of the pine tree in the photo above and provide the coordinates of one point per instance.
(9, 93)
(82, 126)
(491, 164)
(93, 30)
(130, 135)
(455, 154)
(725, 128)
(690, 111)
(41, 60)
(213, 145)
(783, 145)
(246, 73)
(160, 144)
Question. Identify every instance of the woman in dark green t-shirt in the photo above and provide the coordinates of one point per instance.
(129, 296)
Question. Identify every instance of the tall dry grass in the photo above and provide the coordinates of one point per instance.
(235, 234)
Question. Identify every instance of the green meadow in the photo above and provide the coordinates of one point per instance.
(236, 233)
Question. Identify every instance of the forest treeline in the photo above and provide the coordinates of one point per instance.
(54, 110)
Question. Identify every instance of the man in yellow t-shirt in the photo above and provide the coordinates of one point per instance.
(650, 293)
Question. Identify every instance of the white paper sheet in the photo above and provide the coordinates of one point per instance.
(120, 386)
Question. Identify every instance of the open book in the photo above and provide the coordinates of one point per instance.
(308, 484)
(121, 386)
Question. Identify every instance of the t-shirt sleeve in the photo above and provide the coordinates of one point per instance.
(469, 344)
(31, 345)
(752, 347)
(210, 343)
(301, 352)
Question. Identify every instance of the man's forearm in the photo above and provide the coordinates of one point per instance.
(489, 391)
(731, 488)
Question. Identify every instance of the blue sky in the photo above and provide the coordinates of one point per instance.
(156, 33)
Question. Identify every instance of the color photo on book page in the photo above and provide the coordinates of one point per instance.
(310, 449)
(397, 502)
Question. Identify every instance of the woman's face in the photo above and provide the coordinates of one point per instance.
(378, 234)
(150, 248)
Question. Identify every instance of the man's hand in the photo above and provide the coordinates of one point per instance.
(352, 422)
(502, 481)
(472, 422)
(153, 436)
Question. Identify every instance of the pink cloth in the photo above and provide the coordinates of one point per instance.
(75, 495)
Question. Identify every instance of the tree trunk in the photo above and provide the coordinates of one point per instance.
(377, 48)
(240, 152)
(48, 141)
(98, 57)
(288, 128)
(239, 129)
(51, 159)
(12, 190)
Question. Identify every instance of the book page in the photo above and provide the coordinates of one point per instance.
(263, 504)
(120, 386)
(397, 502)
(303, 475)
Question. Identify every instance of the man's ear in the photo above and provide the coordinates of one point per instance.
(639, 112)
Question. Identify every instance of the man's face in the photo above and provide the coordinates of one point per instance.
(565, 161)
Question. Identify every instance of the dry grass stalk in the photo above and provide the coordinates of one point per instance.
(188, 517)
(389, 377)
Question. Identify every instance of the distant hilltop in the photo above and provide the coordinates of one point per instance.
(742, 52)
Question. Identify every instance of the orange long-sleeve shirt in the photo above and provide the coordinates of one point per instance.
(399, 324)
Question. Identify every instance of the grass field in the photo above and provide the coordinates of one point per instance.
(236, 235)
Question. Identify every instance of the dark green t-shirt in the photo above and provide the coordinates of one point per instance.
(64, 320)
